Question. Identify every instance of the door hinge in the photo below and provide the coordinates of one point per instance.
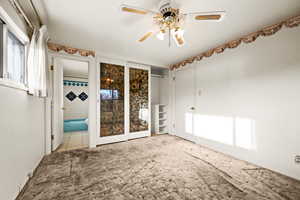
(52, 137)
(174, 78)
(51, 67)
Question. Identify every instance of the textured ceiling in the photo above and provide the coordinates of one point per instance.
(100, 26)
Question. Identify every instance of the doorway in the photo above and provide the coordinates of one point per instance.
(70, 104)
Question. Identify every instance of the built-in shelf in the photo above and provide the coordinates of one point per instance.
(160, 117)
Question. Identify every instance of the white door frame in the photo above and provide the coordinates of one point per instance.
(127, 135)
(57, 113)
(92, 94)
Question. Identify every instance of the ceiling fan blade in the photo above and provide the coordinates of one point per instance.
(132, 10)
(146, 36)
(135, 10)
(209, 16)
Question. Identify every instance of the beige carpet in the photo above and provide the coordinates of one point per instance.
(162, 167)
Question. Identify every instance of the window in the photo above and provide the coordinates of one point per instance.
(15, 59)
(1, 49)
(12, 54)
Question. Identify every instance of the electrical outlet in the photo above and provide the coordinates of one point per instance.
(29, 175)
(297, 159)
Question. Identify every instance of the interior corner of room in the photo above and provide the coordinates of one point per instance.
(149, 99)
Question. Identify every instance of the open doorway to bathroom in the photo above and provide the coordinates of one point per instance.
(71, 104)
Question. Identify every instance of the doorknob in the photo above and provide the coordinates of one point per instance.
(63, 108)
(193, 108)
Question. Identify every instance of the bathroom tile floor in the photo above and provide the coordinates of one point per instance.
(74, 140)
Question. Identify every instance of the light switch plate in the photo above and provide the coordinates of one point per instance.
(199, 93)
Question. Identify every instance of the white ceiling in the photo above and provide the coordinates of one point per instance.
(73, 68)
(99, 25)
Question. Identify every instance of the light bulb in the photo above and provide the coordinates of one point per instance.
(161, 35)
(178, 36)
(178, 31)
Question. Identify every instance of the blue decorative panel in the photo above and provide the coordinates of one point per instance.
(83, 96)
(71, 96)
(75, 83)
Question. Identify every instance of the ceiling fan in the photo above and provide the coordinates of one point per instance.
(170, 20)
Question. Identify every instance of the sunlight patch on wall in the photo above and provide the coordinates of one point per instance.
(189, 123)
(234, 131)
(244, 133)
(214, 128)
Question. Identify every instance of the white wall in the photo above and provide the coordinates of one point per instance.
(155, 90)
(160, 90)
(164, 91)
(22, 132)
(260, 82)
(22, 139)
(76, 109)
(155, 97)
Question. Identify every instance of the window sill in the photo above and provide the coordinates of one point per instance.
(13, 84)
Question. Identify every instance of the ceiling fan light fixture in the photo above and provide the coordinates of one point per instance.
(178, 36)
(180, 32)
(170, 20)
(179, 40)
(161, 35)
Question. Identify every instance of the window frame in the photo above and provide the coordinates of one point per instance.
(1, 49)
(10, 26)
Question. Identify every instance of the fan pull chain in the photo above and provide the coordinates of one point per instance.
(169, 38)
